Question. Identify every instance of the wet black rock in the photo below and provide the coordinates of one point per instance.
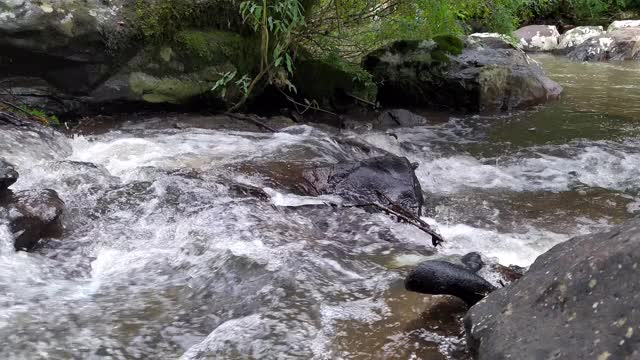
(8, 175)
(32, 215)
(577, 301)
(376, 180)
(473, 261)
(443, 278)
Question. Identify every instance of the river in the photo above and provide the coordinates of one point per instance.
(162, 258)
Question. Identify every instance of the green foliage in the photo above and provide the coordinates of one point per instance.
(578, 11)
(160, 20)
(277, 22)
(216, 47)
(337, 32)
(40, 114)
(34, 114)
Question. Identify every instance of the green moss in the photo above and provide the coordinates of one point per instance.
(449, 43)
(166, 54)
(33, 113)
(160, 20)
(327, 80)
(167, 90)
(494, 82)
(214, 47)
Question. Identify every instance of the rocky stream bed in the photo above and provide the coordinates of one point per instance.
(152, 224)
(181, 241)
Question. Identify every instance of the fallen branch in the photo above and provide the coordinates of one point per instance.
(252, 120)
(364, 101)
(308, 106)
(436, 239)
(406, 215)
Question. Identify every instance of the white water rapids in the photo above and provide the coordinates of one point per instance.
(161, 259)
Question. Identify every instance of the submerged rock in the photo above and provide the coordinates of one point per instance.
(33, 215)
(538, 37)
(617, 45)
(375, 180)
(8, 175)
(483, 74)
(578, 300)
(443, 278)
(577, 36)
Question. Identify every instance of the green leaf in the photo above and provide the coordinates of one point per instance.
(289, 62)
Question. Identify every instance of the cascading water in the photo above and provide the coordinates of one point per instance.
(163, 259)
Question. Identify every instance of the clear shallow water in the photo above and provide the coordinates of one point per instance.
(162, 258)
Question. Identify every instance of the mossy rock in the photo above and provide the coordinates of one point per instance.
(446, 73)
(207, 47)
(166, 90)
(408, 70)
(333, 85)
(185, 69)
(433, 52)
(183, 88)
(449, 44)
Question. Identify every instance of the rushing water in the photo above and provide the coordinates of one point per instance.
(163, 259)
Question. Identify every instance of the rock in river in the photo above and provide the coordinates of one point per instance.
(617, 45)
(577, 36)
(538, 37)
(481, 74)
(577, 301)
(623, 24)
(443, 278)
(8, 175)
(375, 180)
(32, 215)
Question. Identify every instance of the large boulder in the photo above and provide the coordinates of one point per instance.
(377, 180)
(538, 37)
(8, 175)
(68, 55)
(32, 215)
(577, 36)
(59, 41)
(623, 24)
(332, 85)
(617, 45)
(482, 74)
(577, 301)
(182, 70)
